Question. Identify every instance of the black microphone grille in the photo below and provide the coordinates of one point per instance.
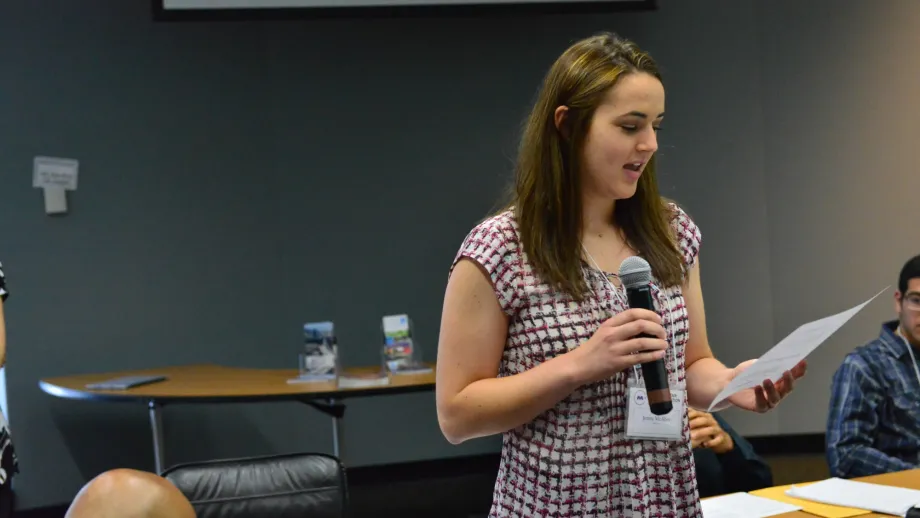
(635, 272)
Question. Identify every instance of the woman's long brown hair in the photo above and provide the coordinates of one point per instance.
(546, 195)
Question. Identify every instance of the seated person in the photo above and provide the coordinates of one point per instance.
(725, 461)
(126, 493)
(9, 466)
(874, 421)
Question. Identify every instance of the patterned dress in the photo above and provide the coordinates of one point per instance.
(8, 463)
(574, 460)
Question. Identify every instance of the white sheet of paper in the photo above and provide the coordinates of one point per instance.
(861, 495)
(789, 351)
(743, 505)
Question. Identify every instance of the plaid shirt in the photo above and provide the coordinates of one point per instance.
(874, 421)
(9, 465)
(3, 292)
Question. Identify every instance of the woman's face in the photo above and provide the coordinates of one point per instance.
(623, 137)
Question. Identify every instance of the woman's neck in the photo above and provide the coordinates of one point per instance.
(597, 217)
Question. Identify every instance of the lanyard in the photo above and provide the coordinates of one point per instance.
(616, 293)
(910, 351)
(668, 331)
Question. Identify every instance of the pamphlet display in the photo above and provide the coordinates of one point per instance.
(319, 359)
(400, 352)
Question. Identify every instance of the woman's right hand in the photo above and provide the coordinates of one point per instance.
(615, 346)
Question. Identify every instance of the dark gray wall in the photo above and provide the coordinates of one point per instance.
(238, 179)
(842, 123)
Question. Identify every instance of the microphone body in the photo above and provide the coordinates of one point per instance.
(654, 373)
(636, 275)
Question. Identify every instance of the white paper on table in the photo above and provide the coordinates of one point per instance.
(861, 495)
(789, 352)
(743, 505)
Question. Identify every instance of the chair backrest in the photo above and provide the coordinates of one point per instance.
(279, 486)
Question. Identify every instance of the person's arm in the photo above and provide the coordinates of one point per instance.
(852, 422)
(742, 468)
(707, 376)
(471, 400)
(2, 336)
(485, 290)
(3, 295)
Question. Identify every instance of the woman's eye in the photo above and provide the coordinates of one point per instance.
(629, 128)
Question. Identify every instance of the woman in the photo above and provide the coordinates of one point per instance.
(537, 341)
(8, 464)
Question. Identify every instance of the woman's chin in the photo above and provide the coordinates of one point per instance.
(622, 192)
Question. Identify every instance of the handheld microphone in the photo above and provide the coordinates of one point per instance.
(636, 276)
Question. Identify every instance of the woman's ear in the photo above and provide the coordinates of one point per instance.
(561, 120)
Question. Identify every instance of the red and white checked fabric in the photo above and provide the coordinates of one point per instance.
(574, 459)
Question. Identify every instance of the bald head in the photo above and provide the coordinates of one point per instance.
(127, 493)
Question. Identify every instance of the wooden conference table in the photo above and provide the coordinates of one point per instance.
(219, 384)
(909, 479)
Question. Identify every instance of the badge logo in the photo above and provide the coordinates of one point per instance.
(639, 398)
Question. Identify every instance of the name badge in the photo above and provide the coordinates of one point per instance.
(641, 423)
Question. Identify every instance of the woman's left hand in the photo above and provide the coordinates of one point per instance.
(767, 395)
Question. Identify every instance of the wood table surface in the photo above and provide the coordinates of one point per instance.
(209, 382)
(909, 479)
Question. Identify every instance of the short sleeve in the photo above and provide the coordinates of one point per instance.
(3, 292)
(687, 234)
(494, 244)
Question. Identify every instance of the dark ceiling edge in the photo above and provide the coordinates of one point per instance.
(424, 11)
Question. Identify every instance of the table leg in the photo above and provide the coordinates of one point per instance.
(156, 426)
(336, 411)
(337, 432)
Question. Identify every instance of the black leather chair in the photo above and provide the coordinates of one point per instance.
(280, 486)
